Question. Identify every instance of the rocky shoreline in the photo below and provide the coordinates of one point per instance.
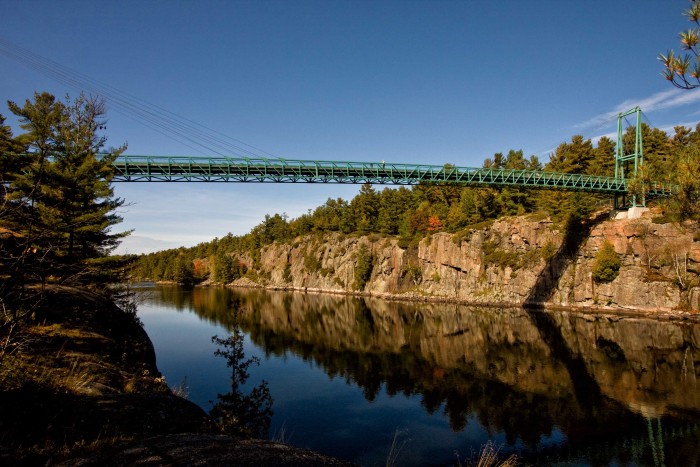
(519, 261)
(613, 310)
(80, 386)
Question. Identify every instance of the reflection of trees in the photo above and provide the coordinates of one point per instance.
(519, 373)
(172, 295)
(459, 393)
(238, 413)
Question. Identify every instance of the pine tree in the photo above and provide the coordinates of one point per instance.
(603, 162)
(64, 187)
(393, 206)
(183, 270)
(657, 149)
(11, 159)
(365, 209)
(225, 268)
(575, 157)
(685, 203)
(683, 71)
(327, 218)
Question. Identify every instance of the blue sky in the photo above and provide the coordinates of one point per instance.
(401, 81)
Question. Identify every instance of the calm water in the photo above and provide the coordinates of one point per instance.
(349, 374)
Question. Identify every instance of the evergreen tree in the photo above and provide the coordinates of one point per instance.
(685, 203)
(225, 269)
(65, 185)
(183, 270)
(574, 157)
(534, 163)
(40, 120)
(578, 156)
(682, 137)
(487, 203)
(657, 149)
(603, 162)
(327, 218)
(11, 160)
(606, 266)
(274, 228)
(683, 71)
(393, 206)
(364, 263)
(463, 213)
(365, 209)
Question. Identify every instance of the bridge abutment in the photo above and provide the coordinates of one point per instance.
(635, 212)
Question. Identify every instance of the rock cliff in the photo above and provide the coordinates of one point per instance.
(514, 261)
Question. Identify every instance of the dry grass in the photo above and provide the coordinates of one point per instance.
(488, 457)
(181, 389)
(36, 356)
(397, 445)
(282, 435)
(20, 369)
(78, 379)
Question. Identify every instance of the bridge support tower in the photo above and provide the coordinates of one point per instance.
(626, 162)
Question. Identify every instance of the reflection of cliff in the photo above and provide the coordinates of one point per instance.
(642, 363)
(500, 364)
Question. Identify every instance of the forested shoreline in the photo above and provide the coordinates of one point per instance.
(411, 214)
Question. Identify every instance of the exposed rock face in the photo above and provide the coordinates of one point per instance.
(513, 261)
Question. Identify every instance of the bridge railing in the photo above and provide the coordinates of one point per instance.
(242, 169)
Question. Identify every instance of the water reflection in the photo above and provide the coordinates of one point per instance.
(620, 388)
(238, 413)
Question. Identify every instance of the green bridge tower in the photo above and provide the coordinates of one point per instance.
(624, 161)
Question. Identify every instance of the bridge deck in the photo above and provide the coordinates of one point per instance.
(195, 169)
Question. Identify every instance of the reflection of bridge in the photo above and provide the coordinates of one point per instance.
(222, 169)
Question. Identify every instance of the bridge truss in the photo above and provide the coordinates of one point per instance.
(223, 169)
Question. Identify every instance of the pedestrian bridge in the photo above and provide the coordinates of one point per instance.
(260, 170)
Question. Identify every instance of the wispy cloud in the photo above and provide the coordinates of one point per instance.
(669, 129)
(661, 100)
(596, 139)
(137, 244)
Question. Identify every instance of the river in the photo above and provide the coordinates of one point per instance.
(350, 376)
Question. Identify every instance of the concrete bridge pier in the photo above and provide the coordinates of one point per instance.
(635, 212)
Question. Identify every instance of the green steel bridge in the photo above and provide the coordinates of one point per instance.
(224, 169)
(244, 169)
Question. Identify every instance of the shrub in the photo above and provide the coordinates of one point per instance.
(461, 236)
(413, 273)
(287, 273)
(363, 267)
(530, 258)
(500, 258)
(607, 264)
(548, 250)
(311, 263)
(663, 219)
